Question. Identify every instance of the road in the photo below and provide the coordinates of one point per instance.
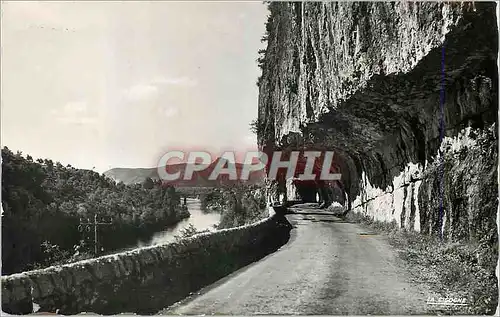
(328, 267)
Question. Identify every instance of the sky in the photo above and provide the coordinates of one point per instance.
(116, 84)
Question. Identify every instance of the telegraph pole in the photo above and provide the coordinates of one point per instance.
(95, 224)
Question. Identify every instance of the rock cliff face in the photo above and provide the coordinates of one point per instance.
(386, 86)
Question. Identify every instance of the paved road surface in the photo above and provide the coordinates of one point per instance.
(328, 267)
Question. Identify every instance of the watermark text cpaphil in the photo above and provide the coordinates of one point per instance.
(200, 167)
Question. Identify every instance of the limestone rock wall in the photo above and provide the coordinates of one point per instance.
(464, 181)
(325, 52)
(397, 203)
(384, 85)
(455, 196)
(144, 280)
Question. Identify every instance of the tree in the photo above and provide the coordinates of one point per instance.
(148, 183)
(43, 202)
(254, 126)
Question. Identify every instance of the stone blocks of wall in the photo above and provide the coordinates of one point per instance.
(398, 203)
(143, 280)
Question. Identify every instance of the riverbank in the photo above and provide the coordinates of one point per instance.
(145, 280)
(49, 212)
(198, 220)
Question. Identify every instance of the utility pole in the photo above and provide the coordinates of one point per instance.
(95, 224)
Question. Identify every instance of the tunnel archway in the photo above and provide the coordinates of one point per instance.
(307, 191)
(317, 190)
(323, 193)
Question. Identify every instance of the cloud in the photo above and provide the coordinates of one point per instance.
(170, 111)
(19, 13)
(150, 88)
(251, 139)
(74, 112)
(75, 107)
(177, 81)
(141, 91)
(53, 15)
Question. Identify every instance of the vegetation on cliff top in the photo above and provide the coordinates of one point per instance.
(43, 202)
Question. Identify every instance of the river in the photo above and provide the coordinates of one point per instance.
(199, 219)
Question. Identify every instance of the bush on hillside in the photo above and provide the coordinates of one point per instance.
(44, 201)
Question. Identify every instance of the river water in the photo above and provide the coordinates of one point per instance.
(199, 219)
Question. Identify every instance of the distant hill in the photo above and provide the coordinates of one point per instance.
(138, 175)
(131, 175)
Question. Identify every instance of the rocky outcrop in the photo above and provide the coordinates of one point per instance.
(463, 180)
(144, 280)
(384, 85)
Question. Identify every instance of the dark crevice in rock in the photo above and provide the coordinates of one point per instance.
(403, 211)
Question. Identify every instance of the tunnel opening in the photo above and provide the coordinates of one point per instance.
(320, 189)
(323, 193)
(307, 192)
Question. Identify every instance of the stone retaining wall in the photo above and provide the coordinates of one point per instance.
(143, 280)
